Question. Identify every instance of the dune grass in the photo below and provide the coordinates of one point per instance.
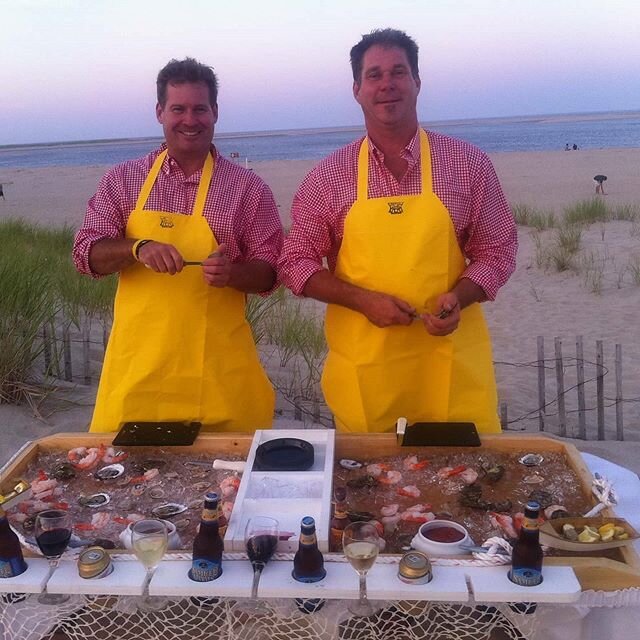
(39, 287)
(528, 216)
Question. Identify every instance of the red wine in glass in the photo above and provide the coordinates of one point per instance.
(260, 548)
(53, 532)
(53, 542)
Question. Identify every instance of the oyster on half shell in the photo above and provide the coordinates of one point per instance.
(168, 510)
(110, 472)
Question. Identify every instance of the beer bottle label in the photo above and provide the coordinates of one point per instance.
(525, 577)
(203, 570)
(529, 524)
(11, 567)
(306, 538)
(209, 515)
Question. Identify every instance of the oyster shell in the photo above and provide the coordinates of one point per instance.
(345, 463)
(94, 500)
(110, 472)
(168, 510)
(156, 492)
(531, 460)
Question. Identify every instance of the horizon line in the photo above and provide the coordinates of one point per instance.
(587, 115)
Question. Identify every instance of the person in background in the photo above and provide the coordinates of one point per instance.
(599, 180)
(417, 233)
(190, 234)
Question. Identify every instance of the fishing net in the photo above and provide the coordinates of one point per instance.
(110, 617)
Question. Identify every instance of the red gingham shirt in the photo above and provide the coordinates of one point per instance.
(239, 208)
(463, 179)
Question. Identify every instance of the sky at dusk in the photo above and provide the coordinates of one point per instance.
(86, 69)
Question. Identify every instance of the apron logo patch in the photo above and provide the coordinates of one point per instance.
(166, 222)
(395, 207)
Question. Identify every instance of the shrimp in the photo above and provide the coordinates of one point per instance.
(420, 507)
(129, 519)
(42, 485)
(410, 491)
(111, 456)
(417, 517)
(447, 472)
(98, 521)
(229, 486)
(469, 475)
(84, 458)
(377, 468)
(379, 527)
(505, 523)
(389, 509)
(227, 508)
(390, 477)
(146, 476)
(390, 523)
(411, 463)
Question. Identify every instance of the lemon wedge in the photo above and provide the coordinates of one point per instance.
(588, 534)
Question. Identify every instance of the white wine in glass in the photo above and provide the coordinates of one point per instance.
(360, 544)
(149, 542)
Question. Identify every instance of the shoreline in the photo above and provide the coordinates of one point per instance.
(543, 179)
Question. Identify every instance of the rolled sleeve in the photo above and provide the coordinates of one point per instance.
(311, 237)
(104, 218)
(491, 241)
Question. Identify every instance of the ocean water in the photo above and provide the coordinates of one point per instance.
(533, 133)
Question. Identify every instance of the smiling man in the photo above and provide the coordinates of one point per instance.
(190, 234)
(416, 233)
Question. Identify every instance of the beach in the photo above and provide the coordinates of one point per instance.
(536, 301)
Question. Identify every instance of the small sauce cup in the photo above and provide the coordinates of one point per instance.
(441, 538)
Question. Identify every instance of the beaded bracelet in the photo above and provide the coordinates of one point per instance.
(137, 245)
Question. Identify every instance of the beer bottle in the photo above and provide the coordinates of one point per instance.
(308, 563)
(526, 559)
(340, 519)
(11, 559)
(206, 564)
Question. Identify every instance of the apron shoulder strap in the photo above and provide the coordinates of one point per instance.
(425, 167)
(425, 162)
(150, 181)
(203, 187)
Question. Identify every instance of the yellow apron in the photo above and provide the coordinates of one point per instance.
(180, 350)
(405, 246)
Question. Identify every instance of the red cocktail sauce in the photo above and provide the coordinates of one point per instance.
(443, 534)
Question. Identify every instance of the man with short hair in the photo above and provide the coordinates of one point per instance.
(416, 232)
(190, 234)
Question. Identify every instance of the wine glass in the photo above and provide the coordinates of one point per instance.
(149, 542)
(360, 544)
(261, 540)
(53, 532)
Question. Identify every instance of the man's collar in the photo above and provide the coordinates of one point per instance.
(410, 152)
(170, 164)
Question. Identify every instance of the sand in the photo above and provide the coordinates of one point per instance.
(535, 302)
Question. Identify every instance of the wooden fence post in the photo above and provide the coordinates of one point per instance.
(46, 348)
(541, 392)
(562, 416)
(66, 350)
(619, 418)
(582, 416)
(86, 336)
(600, 388)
